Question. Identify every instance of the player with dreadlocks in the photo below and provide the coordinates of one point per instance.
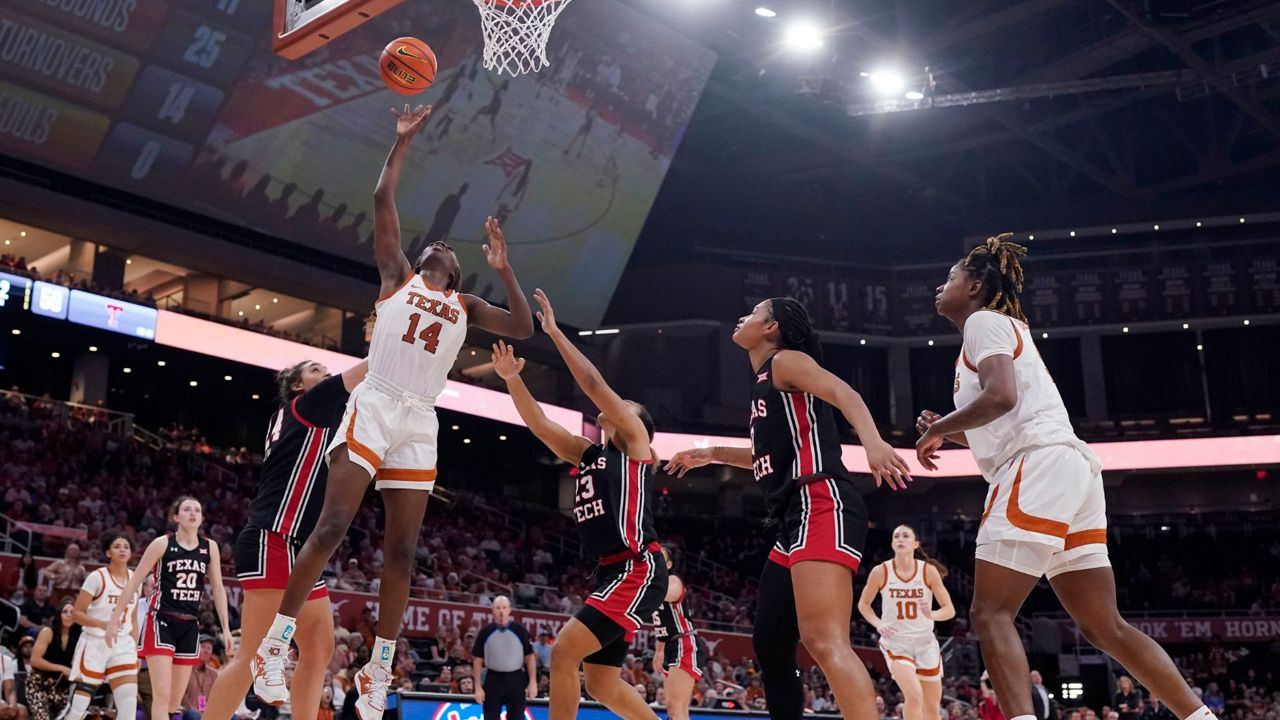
(806, 588)
(388, 432)
(1045, 513)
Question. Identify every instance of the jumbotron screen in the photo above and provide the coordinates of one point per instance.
(185, 102)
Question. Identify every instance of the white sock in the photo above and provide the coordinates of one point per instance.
(77, 709)
(282, 629)
(384, 651)
(1202, 713)
(126, 702)
(1023, 717)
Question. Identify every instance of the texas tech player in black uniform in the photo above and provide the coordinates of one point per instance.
(291, 490)
(174, 608)
(795, 452)
(615, 525)
(682, 648)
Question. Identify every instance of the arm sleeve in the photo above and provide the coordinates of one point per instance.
(524, 639)
(987, 334)
(323, 404)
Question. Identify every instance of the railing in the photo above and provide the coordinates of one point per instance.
(117, 423)
(8, 527)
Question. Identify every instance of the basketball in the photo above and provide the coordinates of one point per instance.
(408, 66)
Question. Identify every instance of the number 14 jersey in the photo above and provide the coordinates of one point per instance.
(417, 337)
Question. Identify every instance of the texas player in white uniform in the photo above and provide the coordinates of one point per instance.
(1045, 513)
(907, 586)
(95, 661)
(388, 433)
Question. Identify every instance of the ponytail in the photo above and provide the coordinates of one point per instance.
(795, 328)
(920, 554)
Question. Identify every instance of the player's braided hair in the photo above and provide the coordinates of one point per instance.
(998, 264)
(455, 277)
(795, 328)
(287, 378)
(920, 554)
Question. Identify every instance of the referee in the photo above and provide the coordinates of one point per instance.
(504, 651)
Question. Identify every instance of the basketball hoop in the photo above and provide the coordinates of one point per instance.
(516, 33)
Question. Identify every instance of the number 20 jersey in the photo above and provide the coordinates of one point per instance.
(416, 339)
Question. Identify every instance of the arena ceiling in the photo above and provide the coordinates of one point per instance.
(1058, 111)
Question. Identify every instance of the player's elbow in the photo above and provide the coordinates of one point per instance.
(1002, 399)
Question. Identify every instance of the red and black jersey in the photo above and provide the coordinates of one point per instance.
(291, 490)
(672, 619)
(179, 578)
(612, 503)
(793, 439)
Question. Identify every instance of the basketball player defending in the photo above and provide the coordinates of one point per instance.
(389, 430)
(907, 585)
(281, 517)
(612, 507)
(95, 661)
(806, 587)
(1045, 513)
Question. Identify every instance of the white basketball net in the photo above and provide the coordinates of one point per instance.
(516, 33)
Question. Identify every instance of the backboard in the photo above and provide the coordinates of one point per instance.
(304, 25)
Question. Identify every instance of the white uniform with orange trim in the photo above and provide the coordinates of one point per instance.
(1045, 512)
(94, 662)
(390, 426)
(911, 642)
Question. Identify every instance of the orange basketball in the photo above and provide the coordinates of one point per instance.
(408, 65)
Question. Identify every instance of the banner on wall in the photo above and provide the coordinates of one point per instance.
(1176, 629)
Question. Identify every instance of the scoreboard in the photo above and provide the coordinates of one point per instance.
(20, 294)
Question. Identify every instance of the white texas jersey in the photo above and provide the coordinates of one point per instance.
(417, 337)
(105, 591)
(901, 601)
(1038, 419)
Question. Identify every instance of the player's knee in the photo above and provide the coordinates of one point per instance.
(1106, 632)
(985, 619)
(399, 555)
(563, 659)
(824, 646)
(329, 531)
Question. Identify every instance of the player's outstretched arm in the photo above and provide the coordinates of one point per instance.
(393, 267)
(564, 444)
(686, 460)
(514, 323)
(354, 375)
(591, 381)
(794, 370)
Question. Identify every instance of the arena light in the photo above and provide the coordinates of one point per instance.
(803, 35)
(502, 437)
(863, 341)
(765, 12)
(1155, 227)
(126, 371)
(887, 81)
(1246, 322)
(610, 331)
(227, 378)
(275, 300)
(159, 363)
(1241, 219)
(16, 331)
(1125, 329)
(454, 427)
(1073, 233)
(254, 396)
(1186, 326)
(257, 307)
(1199, 347)
(914, 95)
(466, 441)
(1031, 237)
(55, 355)
(93, 348)
(586, 333)
(1113, 231)
(1044, 336)
(128, 261)
(930, 343)
(1198, 223)
(193, 383)
(22, 233)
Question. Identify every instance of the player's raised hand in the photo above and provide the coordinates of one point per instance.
(887, 466)
(505, 362)
(686, 460)
(495, 251)
(547, 315)
(410, 122)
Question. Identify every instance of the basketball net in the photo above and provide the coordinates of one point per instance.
(516, 33)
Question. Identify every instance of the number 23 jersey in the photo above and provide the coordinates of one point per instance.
(417, 337)
(611, 502)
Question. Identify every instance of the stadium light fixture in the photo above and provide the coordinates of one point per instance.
(1186, 326)
(863, 341)
(55, 355)
(1113, 231)
(254, 396)
(8, 242)
(1198, 223)
(1155, 227)
(765, 12)
(93, 348)
(1200, 347)
(257, 307)
(930, 343)
(610, 331)
(454, 427)
(1124, 329)
(1241, 219)
(126, 371)
(502, 437)
(1031, 237)
(1044, 336)
(275, 300)
(887, 81)
(803, 35)
(128, 261)
(466, 441)
(159, 363)
(227, 378)
(22, 233)
(586, 333)
(193, 383)
(1246, 322)
(16, 331)
(1073, 233)
(914, 95)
